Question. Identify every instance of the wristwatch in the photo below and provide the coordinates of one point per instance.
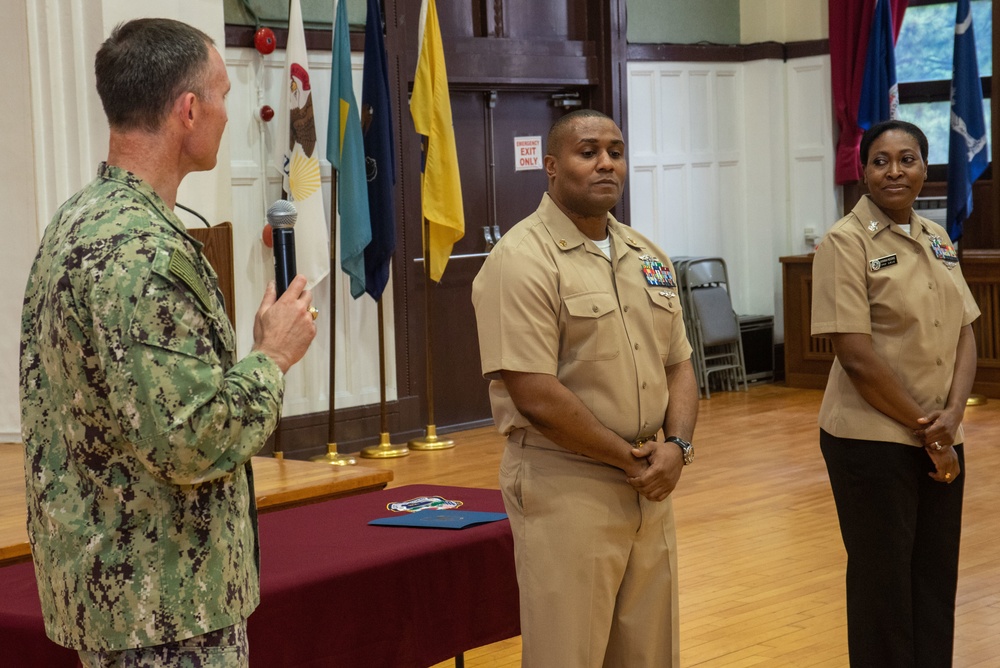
(686, 448)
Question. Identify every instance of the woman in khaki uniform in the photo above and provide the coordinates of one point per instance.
(888, 290)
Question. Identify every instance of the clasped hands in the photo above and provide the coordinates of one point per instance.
(937, 437)
(656, 470)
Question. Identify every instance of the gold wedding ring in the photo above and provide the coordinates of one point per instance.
(947, 476)
(314, 312)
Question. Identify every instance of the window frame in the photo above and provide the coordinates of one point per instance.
(940, 91)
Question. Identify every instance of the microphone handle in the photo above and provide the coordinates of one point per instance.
(284, 257)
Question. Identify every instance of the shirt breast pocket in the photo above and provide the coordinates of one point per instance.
(665, 306)
(591, 326)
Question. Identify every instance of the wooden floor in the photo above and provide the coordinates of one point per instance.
(761, 560)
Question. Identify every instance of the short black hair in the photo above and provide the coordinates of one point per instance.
(144, 65)
(553, 143)
(877, 130)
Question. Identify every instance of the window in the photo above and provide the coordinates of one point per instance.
(924, 62)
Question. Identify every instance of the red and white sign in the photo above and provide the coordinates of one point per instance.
(527, 153)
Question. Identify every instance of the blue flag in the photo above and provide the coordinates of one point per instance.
(967, 151)
(376, 121)
(346, 152)
(879, 91)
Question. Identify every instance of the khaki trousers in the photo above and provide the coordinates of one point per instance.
(596, 563)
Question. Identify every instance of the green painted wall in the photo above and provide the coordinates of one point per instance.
(683, 21)
(315, 13)
(649, 21)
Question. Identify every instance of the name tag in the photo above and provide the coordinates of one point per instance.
(884, 261)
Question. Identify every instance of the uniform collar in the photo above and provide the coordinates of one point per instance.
(874, 220)
(566, 235)
(128, 179)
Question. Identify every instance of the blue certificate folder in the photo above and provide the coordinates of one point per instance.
(440, 519)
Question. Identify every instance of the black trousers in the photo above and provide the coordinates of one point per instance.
(902, 531)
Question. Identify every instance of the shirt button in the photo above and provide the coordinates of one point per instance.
(930, 285)
(644, 385)
(939, 362)
(625, 308)
(937, 323)
(938, 399)
(596, 309)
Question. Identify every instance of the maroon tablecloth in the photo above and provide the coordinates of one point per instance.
(337, 592)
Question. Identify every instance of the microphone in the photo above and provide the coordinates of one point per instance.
(281, 216)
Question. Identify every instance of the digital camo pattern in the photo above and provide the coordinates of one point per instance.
(224, 648)
(137, 426)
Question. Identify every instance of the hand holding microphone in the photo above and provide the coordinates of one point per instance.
(281, 216)
(283, 327)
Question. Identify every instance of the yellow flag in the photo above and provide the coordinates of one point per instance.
(440, 186)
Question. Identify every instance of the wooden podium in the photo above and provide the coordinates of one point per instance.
(218, 250)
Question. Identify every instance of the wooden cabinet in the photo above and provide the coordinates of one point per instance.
(808, 358)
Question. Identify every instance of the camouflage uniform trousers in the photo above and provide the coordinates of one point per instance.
(224, 648)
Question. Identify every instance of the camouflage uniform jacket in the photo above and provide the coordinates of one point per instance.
(137, 426)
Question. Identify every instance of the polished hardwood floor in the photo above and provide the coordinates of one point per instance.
(761, 560)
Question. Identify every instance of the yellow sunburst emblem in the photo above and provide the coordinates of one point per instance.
(303, 176)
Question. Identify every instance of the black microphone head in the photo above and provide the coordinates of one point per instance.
(282, 214)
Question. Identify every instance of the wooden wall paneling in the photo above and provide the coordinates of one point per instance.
(808, 358)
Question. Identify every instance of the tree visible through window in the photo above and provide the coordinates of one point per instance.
(923, 67)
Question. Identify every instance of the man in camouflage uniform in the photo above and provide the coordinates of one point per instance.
(138, 423)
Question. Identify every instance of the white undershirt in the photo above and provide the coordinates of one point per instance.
(605, 246)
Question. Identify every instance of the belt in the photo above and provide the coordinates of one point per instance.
(525, 437)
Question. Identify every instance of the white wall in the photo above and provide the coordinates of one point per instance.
(16, 196)
(733, 160)
(56, 135)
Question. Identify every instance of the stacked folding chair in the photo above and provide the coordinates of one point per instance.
(713, 327)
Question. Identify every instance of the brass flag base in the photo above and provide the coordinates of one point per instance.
(385, 449)
(279, 454)
(431, 441)
(333, 458)
(975, 400)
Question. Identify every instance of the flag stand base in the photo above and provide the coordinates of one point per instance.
(333, 458)
(385, 449)
(431, 441)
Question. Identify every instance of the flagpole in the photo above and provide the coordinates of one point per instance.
(430, 441)
(385, 449)
(332, 457)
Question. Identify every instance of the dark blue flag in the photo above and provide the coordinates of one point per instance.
(879, 92)
(967, 150)
(376, 121)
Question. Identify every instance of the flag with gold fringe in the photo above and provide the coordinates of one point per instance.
(430, 106)
(346, 152)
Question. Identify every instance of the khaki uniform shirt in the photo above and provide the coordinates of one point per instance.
(137, 424)
(870, 277)
(549, 301)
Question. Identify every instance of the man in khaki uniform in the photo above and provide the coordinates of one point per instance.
(582, 336)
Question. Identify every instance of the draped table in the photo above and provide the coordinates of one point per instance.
(338, 592)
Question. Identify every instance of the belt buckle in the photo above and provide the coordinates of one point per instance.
(639, 441)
